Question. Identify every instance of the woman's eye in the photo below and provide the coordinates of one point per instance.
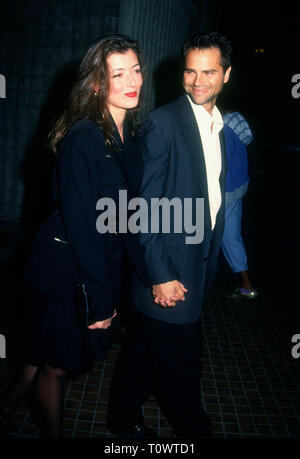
(138, 71)
(116, 76)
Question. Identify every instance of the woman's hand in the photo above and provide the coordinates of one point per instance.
(103, 323)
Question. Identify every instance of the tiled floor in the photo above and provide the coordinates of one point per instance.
(250, 385)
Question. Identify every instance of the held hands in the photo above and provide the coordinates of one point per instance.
(103, 323)
(168, 293)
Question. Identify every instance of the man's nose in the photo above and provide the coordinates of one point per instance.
(199, 79)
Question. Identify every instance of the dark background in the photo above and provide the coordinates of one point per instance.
(260, 88)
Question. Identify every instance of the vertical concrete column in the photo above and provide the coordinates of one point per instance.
(160, 26)
(210, 16)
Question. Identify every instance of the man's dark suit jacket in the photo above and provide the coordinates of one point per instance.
(174, 166)
(86, 171)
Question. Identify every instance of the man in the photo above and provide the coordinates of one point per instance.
(184, 157)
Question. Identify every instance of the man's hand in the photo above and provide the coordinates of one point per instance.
(103, 323)
(168, 293)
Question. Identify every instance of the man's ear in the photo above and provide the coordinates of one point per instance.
(227, 74)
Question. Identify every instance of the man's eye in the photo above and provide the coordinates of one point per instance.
(188, 71)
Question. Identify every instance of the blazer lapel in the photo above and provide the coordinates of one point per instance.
(195, 147)
(223, 158)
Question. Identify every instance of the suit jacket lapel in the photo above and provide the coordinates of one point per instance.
(195, 147)
(223, 158)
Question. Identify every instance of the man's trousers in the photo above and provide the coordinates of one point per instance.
(164, 360)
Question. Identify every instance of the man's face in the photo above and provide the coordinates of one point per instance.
(204, 77)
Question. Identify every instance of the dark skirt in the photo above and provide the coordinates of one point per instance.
(51, 335)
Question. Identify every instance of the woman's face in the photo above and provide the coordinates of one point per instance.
(125, 81)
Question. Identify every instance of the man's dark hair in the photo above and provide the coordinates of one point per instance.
(211, 40)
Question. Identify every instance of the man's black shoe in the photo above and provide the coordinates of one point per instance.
(137, 432)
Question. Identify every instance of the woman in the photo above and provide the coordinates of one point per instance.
(99, 122)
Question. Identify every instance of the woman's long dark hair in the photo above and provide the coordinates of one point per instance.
(85, 102)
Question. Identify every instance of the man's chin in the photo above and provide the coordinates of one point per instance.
(198, 100)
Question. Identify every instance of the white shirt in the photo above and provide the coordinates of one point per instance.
(209, 127)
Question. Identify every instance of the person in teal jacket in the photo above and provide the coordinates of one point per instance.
(237, 136)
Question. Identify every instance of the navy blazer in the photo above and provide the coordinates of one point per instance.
(174, 166)
(68, 245)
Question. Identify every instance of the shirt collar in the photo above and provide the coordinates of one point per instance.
(202, 115)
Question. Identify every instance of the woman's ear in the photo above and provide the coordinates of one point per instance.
(95, 88)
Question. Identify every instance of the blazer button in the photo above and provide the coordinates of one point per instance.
(205, 259)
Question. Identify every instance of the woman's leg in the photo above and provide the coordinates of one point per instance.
(19, 388)
(49, 400)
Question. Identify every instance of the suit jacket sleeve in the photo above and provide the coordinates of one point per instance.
(79, 172)
(155, 152)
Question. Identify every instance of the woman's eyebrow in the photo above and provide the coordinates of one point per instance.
(121, 68)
